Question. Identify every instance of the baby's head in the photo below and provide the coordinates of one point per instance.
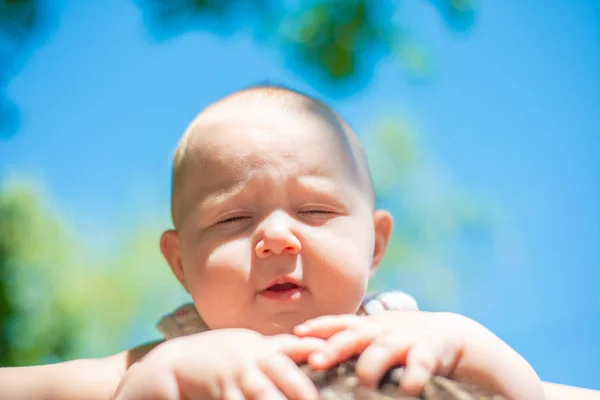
(274, 216)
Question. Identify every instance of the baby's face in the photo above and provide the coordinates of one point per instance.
(277, 230)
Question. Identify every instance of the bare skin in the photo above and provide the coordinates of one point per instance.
(315, 227)
(269, 193)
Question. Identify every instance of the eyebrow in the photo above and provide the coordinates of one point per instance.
(319, 183)
(313, 183)
(223, 193)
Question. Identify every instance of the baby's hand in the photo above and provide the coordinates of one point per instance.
(223, 364)
(426, 343)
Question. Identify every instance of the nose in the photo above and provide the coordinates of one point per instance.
(277, 237)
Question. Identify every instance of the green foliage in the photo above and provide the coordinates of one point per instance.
(34, 319)
(341, 40)
(59, 297)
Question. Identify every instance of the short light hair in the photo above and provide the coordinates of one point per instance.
(267, 90)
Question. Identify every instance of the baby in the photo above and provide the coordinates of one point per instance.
(275, 237)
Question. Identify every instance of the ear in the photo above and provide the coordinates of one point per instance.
(384, 225)
(169, 247)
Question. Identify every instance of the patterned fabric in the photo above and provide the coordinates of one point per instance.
(185, 320)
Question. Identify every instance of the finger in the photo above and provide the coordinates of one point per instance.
(422, 361)
(254, 384)
(326, 326)
(342, 346)
(298, 349)
(292, 382)
(232, 392)
(385, 352)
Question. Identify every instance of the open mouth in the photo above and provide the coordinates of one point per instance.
(283, 291)
(279, 287)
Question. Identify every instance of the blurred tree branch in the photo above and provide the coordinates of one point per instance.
(342, 40)
(331, 43)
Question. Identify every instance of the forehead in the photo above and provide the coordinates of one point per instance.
(298, 140)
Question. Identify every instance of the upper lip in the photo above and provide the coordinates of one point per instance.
(281, 280)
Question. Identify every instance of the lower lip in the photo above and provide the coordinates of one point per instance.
(289, 294)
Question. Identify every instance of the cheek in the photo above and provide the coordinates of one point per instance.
(205, 261)
(341, 259)
(217, 278)
(349, 245)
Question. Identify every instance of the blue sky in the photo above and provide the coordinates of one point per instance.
(511, 113)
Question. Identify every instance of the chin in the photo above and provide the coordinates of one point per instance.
(276, 330)
(279, 325)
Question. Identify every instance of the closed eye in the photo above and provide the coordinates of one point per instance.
(232, 219)
(316, 212)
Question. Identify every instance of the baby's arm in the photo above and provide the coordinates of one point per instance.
(77, 379)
